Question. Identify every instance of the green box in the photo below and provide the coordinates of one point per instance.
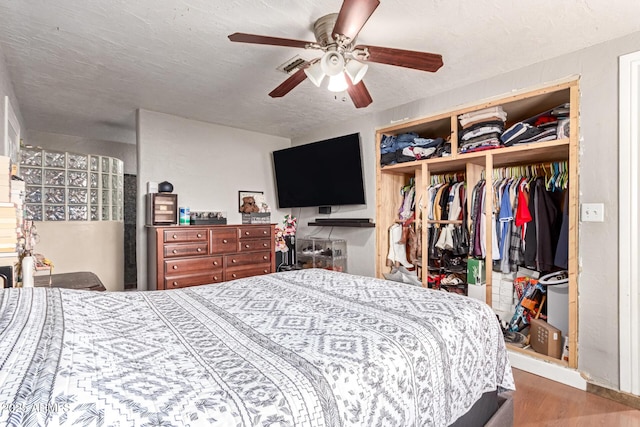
(476, 272)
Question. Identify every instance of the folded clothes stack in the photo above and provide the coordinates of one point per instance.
(407, 147)
(541, 128)
(481, 129)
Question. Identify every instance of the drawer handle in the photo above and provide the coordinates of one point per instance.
(199, 249)
(234, 275)
(175, 283)
(264, 245)
(175, 251)
(199, 235)
(224, 240)
(175, 236)
(247, 246)
(175, 267)
(215, 262)
(215, 278)
(264, 232)
(265, 271)
(246, 233)
(265, 257)
(234, 261)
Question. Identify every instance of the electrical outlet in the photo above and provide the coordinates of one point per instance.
(592, 212)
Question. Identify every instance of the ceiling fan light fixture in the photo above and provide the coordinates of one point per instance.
(356, 70)
(332, 63)
(315, 74)
(338, 83)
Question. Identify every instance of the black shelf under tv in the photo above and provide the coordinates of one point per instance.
(341, 223)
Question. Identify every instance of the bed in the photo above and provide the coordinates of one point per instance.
(305, 348)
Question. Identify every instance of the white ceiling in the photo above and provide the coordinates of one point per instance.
(82, 68)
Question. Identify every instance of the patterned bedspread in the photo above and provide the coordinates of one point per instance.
(302, 348)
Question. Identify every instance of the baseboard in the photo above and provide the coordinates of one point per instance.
(616, 395)
(552, 371)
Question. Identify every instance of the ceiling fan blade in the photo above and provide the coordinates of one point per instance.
(358, 94)
(404, 58)
(289, 84)
(353, 15)
(273, 41)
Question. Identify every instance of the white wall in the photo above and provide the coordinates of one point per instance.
(598, 280)
(6, 89)
(206, 163)
(361, 242)
(77, 144)
(94, 246)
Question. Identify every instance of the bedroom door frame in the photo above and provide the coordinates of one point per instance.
(629, 222)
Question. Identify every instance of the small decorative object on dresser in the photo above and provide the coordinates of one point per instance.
(250, 201)
(165, 187)
(200, 255)
(208, 218)
(162, 209)
(254, 208)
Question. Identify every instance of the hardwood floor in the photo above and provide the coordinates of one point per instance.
(542, 402)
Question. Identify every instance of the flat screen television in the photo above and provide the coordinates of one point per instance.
(323, 173)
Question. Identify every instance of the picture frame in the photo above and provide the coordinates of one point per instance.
(258, 196)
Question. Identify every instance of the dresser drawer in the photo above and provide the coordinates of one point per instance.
(178, 267)
(254, 232)
(225, 240)
(239, 260)
(247, 272)
(255, 245)
(185, 249)
(185, 235)
(193, 280)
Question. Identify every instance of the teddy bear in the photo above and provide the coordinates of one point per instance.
(249, 205)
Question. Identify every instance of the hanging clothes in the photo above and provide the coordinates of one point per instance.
(506, 218)
(516, 248)
(562, 250)
(530, 238)
(527, 218)
(548, 224)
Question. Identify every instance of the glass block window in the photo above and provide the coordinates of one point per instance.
(71, 186)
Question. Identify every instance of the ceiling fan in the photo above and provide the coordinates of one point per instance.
(342, 60)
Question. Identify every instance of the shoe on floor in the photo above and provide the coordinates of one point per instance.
(395, 275)
(411, 279)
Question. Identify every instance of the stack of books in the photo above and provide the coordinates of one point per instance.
(8, 229)
(5, 179)
(11, 203)
(16, 197)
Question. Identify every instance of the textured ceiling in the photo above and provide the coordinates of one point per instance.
(83, 67)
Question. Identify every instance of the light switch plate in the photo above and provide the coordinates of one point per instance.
(592, 212)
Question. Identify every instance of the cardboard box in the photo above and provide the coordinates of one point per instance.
(478, 292)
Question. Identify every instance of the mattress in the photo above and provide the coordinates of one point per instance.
(304, 348)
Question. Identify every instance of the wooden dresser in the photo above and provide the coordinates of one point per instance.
(181, 256)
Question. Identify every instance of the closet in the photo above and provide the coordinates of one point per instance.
(554, 159)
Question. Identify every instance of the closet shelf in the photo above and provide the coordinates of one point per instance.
(445, 221)
(506, 156)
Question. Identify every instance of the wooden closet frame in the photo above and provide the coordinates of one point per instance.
(519, 106)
